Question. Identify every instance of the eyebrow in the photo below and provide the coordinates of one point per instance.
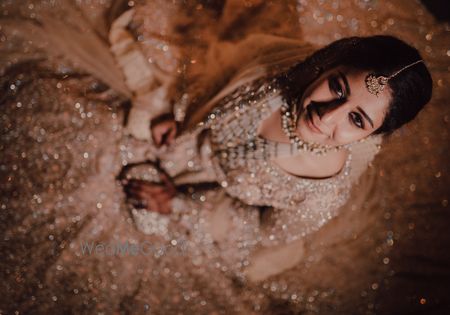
(365, 115)
(347, 86)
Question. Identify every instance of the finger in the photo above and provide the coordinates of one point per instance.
(157, 135)
(138, 203)
(152, 205)
(163, 129)
(131, 191)
(136, 187)
(162, 198)
(171, 136)
(153, 189)
(135, 199)
(165, 197)
(141, 192)
(132, 195)
(141, 183)
(166, 179)
(174, 129)
(166, 208)
(168, 182)
(142, 204)
(165, 135)
(160, 189)
(135, 181)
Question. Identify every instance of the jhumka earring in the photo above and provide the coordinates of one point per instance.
(376, 84)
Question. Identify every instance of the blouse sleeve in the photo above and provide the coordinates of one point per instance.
(283, 230)
(148, 81)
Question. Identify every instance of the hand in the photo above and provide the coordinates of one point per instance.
(163, 129)
(151, 196)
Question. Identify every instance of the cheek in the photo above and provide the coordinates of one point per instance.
(348, 134)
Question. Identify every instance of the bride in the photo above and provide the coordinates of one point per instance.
(286, 139)
(239, 152)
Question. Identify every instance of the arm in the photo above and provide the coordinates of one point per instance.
(148, 83)
(218, 61)
(284, 231)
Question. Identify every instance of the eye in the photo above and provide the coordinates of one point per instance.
(335, 87)
(357, 120)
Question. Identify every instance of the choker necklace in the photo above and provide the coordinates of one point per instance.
(288, 124)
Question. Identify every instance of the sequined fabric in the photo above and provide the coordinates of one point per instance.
(231, 156)
(62, 114)
(242, 158)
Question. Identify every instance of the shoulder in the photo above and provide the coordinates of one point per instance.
(363, 154)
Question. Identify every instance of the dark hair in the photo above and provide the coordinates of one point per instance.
(382, 55)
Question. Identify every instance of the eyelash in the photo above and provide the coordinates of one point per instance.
(357, 120)
(336, 87)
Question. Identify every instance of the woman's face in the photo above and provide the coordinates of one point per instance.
(338, 109)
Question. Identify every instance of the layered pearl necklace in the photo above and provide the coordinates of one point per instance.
(288, 124)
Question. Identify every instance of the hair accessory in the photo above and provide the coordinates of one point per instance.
(376, 84)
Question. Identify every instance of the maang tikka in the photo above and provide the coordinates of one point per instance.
(375, 85)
